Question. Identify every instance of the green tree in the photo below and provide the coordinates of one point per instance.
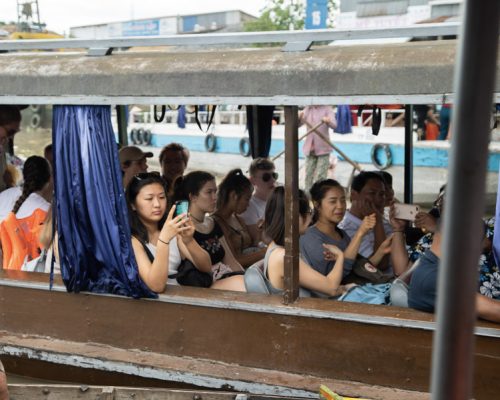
(282, 15)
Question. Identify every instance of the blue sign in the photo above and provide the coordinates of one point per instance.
(316, 14)
(149, 27)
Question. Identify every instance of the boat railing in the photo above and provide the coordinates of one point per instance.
(294, 40)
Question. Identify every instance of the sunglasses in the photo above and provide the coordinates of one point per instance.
(266, 176)
(146, 175)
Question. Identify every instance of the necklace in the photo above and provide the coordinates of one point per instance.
(196, 219)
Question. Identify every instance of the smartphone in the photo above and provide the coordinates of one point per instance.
(406, 211)
(181, 207)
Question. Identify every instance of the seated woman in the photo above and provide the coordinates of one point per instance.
(274, 261)
(166, 238)
(233, 197)
(199, 188)
(25, 210)
(36, 192)
(329, 202)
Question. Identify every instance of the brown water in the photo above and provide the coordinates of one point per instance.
(29, 142)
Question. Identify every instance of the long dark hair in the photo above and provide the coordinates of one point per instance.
(235, 182)
(274, 224)
(36, 174)
(134, 187)
(191, 184)
(318, 192)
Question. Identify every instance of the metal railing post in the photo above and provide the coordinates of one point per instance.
(408, 168)
(452, 361)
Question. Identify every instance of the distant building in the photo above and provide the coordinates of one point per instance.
(225, 21)
(391, 13)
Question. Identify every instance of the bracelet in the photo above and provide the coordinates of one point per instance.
(164, 241)
(398, 231)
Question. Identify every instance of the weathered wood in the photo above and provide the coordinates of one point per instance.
(408, 73)
(291, 273)
(185, 337)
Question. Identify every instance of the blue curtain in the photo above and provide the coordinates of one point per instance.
(92, 223)
(344, 119)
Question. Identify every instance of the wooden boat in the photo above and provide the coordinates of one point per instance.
(211, 339)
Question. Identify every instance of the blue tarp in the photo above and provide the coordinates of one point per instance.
(92, 223)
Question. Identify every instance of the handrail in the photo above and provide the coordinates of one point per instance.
(304, 36)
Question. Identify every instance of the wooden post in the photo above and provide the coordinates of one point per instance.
(291, 205)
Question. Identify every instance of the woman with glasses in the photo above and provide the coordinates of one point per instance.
(233, 197)
(274, 262)
(160, 241)
(329, 201)
(199, 188)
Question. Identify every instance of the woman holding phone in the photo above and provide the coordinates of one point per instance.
(160, 241)
(200, 189)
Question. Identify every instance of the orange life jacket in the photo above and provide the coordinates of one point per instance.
(19, 238)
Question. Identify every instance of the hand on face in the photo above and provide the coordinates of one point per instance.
(174, 226)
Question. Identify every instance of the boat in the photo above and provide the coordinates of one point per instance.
(228, 136)
(257, 344)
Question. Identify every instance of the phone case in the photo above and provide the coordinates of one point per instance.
(406, 211)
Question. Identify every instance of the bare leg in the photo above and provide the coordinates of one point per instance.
(234, 283)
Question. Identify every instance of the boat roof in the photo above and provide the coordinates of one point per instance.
(390, 73)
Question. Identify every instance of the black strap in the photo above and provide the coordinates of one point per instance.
(162, 114)
(152, 257)
(196, 109)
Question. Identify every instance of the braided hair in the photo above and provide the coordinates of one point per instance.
(36, 174)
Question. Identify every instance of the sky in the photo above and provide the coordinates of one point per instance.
(60, 15)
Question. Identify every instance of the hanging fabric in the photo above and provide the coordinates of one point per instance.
(259, 123)
(95, 247)
(344, 119)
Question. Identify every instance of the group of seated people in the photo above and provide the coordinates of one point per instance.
(240, 222)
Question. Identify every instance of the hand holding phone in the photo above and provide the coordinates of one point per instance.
(407, 212)
(181, 207)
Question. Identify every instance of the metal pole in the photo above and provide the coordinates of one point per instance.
(121, 116)
(452, 359)
(291, 277)
(408, 171)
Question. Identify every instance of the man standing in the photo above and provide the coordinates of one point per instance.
(263, 178)
(316, 150)
(368, 197)
(10, 119)
(133, 161)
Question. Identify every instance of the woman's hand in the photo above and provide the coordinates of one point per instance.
(332, 252)
(173, 226)
(187, 234)
(398, 225)
(426, 222)
(385, 246)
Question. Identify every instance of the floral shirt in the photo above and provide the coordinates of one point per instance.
(489, 273)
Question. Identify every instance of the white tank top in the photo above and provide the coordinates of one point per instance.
(174, 259)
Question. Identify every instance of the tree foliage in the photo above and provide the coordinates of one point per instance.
(280, 15)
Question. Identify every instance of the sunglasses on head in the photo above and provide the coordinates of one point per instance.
(146, 175)
(266, 176)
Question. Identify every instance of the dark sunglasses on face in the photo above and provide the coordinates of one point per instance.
(266, 176)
